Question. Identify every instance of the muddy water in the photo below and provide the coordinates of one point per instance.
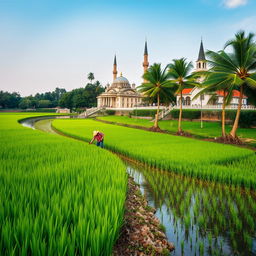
(200, 218)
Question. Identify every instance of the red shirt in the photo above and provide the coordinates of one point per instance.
(99, 137)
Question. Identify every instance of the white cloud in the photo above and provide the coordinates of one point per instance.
(247, 24)
(234, 3)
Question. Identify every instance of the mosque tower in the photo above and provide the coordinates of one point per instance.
(201, 61)
(114, 69)
(145, 63)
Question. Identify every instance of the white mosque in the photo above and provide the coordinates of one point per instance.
(120, 94)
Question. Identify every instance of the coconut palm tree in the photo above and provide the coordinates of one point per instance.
(211, 86)
(157, 86)
(236, 69)
(179, 72)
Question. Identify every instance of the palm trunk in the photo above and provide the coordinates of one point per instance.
(180, 115)
(235, 125)
(157, 112)
(223, 116)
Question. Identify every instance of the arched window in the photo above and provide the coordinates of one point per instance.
(187, 103)
(199, 65)
(182, 100)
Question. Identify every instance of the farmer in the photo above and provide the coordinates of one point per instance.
(99, 137)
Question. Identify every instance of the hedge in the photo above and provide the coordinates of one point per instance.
(49, 110)
(186, 113)
(247, 117)
(110, 112)
(144, 112)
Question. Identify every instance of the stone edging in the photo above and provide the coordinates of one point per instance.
(142, 234)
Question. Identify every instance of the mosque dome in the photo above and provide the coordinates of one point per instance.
(121, 80)
(119, 84)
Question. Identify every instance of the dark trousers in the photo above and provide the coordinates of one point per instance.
(100, 144)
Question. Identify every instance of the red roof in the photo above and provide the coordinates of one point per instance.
(236, 93)
(187, 90)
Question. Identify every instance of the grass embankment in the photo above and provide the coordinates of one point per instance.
(202, 159)
(210, 129)
(58, 196)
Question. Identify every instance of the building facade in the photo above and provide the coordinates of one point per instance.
(120, 94)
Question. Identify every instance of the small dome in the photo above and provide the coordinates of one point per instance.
(121, 80)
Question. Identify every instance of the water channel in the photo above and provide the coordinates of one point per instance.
(200, 218)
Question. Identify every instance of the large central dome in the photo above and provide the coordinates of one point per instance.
(120, 83)
(121, 80)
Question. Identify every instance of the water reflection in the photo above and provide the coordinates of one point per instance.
(30, 122)
(201, 218)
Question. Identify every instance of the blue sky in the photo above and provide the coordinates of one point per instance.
(51, 43)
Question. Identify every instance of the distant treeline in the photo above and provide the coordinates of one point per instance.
(77, 98)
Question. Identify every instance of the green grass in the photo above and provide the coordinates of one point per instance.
(206, 160)
(210, 129)
(58, 196)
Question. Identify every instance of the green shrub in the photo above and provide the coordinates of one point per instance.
(186, 113)
(110, 112)
(247, 118)
(48, 110)
(144, 112)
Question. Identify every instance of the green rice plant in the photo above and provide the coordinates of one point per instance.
(220, 222)
(182, 246)
(210, 129)
(214, 207)
(201, 248)
(187, 221)
(200, 221)
(210, 240)
(58, 196)
(204, 160)
(247, 239)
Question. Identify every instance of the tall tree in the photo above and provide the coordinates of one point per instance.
(157, 86)
(90, 77)
(236, 69)
(82, 97)
(179, 72)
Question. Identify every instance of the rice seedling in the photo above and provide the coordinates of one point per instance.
(182, 246)
(204, 160)
(210, 240)
(187, 221)
(57, 196)
(201, 248)
(219, 225)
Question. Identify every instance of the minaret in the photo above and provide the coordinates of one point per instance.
(114, 69)
(145, 62)
(201, 61)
